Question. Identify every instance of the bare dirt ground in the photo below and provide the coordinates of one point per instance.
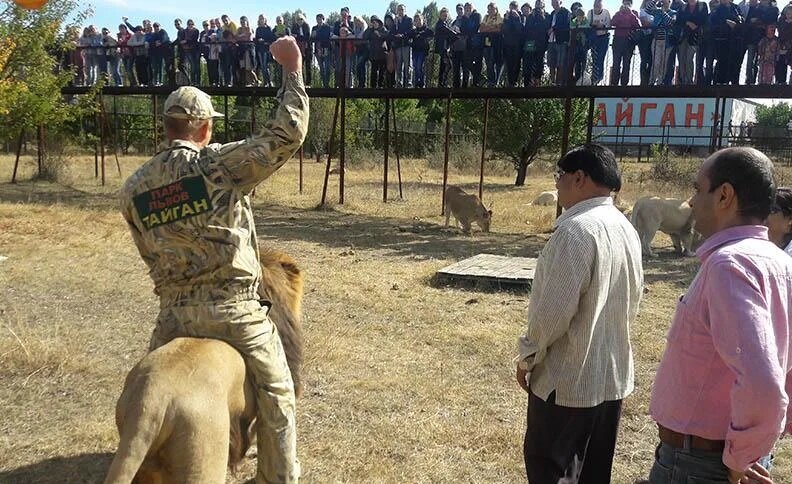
(406, 380)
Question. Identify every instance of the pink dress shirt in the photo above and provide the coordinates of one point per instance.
(727, 373)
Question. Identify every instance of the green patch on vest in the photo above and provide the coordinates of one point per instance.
(181, 200)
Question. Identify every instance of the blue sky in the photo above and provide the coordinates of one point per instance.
(108, 13)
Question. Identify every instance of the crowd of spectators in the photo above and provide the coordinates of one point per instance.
(677, 42)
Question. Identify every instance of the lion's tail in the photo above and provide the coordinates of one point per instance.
(140, 427)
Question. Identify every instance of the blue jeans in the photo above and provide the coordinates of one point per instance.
(115, 70)
(262, 63)
(683, 466)
(418, 60)
(599, 49)
(325, 67)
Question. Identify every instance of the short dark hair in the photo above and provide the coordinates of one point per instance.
(596, 161)
(750, 173)
(783, 201)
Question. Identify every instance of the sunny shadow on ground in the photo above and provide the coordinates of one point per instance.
(398, 237)
(84, 468)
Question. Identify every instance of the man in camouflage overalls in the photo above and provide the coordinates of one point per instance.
(189, 212)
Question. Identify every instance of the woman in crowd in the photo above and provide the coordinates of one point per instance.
(89, 56)
(247, 53)
(598, 18)
(580, 28)
(689, 25)
(227, 57)
(376, 36)
(537, 24)
(280, 30)
(664, 19)
(127, 59)
(360, 56)
(767, 55)
(137, 43)
(643, 39)
(73, 56)
(419, 40)
(112, 58)
(491, 28)
(390, 61)
(263, 38)
(784, 45)
(625, 22)
(779, 223)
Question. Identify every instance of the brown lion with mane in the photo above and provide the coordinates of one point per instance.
(187, 408)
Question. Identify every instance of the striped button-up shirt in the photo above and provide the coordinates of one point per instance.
(585, 295)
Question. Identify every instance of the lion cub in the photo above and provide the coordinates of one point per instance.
(466, 209)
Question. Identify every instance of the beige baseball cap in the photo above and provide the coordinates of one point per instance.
(189, 102)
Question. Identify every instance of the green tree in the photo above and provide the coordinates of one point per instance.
(31, 78)
(290, 17)
(777, 115)
(333, 17)
(520, 129)
(431, 14)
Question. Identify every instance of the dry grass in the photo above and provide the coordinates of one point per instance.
(405, 381)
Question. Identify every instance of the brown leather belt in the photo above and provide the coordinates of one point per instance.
(677, 440)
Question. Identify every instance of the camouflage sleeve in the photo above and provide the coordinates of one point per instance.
(128, 210)
(247, 163)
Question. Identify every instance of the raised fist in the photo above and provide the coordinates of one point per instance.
(286, 53)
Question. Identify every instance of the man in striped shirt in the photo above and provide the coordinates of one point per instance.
(575, 358)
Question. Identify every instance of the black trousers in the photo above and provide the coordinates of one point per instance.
(576, 443)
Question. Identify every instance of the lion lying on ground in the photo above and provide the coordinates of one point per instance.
(669, 215)
(546, 199)
(186, 411)
(466, 209)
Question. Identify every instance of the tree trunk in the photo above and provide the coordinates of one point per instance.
(521, 173)
(522, 168)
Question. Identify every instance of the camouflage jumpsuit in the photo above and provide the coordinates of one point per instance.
(190, 216)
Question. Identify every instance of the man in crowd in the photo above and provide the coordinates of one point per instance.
(401, 44)
(208, 281)
(721, 393)
(302, 34)
(557, 43)
(320, 34)
(575, 359)
(475, 45)
(444, 37)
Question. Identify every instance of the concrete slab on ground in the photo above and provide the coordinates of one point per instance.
(490, 268)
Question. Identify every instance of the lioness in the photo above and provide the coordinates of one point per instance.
(186, 411)
(466, 209)
(669, 215)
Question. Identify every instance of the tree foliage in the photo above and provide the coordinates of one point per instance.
(520, 129)
(30, 78)
(777, 115)
(290, 17)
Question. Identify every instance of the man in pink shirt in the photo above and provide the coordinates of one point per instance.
(721, 394)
